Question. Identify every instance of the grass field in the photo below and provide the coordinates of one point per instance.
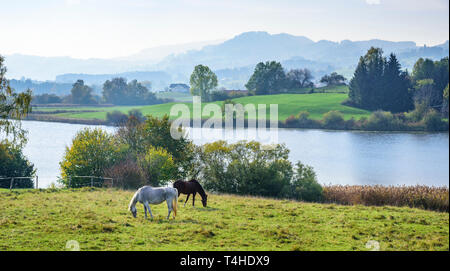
(316, 104)
(175, 96)
(98, 219)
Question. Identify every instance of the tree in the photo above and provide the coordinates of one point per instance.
(81, 93)
(333, 79)
(268, 78)
(92, 151)
(445, 104)
(46, 99)
(14, 164)
(299, 78)
(155, 133)
(137, 93)
(396, 96)
(438, 72)
(13, 105)
(367, 88)
(118, 91)
(158, 166)
(425, 93)
(305, 185)
(379, 83)
(114, 91)
(246, 168)
(202, 81)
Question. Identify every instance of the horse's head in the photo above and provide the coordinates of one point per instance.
(204, 200)
(133, 211)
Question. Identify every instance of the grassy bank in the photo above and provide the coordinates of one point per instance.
(98, 219)
(316, 104)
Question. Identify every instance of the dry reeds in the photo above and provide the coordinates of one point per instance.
(424, 197)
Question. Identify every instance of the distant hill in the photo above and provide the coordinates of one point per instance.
(234, 59)
(41, 87)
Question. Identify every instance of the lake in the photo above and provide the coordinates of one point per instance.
(338, 157)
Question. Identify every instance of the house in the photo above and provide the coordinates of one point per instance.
(179, 88)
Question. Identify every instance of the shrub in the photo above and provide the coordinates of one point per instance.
(156, 132)
(127, 174)
(433, 121)
(116, 118)
(418, 113)
(305, 122)
(303, 116)
(381, 121)
(333, 120)
(136, 114)
(291, 122)
(92, 151)
(305, 185)
(14, 164)
(157, 166)
(246, 168)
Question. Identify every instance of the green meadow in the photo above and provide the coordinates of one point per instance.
(98, 219)
(316, 104)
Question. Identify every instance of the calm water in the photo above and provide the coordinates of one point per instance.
(337, 157)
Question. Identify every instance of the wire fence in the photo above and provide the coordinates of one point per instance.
(18, 182)
(70, 182)
(88, 181)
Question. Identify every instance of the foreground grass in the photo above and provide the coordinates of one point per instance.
(316, 104)
(99, 220)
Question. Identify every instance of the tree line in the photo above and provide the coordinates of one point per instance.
(379, 83)
(268, 78)
(116, 91)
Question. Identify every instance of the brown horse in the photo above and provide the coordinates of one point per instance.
(191, 187)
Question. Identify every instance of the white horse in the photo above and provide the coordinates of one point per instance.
(149, 195)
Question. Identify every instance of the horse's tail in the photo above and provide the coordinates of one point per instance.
(175, 201)
(133, 200)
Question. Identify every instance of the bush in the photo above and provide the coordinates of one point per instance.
(302, 120)
(383, 121)
(127, 175)
(333, 120)
(246, 168)
(14, 164)
(158, 166)
(116, 118)
(91, 153)
(433, 121)
(305, 185)
(291, 122)
(135, 113)
(418, 113)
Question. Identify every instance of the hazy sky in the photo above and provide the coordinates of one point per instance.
(110, 28)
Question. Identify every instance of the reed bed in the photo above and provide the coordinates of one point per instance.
(423, 197)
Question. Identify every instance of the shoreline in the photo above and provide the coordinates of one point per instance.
(281, 124)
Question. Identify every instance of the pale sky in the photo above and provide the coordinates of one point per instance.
(112, 28)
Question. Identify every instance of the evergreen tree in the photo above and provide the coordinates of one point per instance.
(380, 84)
(396, 94)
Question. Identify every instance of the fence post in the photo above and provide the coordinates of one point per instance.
(112, 182)
(70, 180)
(37, 182)
(92, 181)
(11, 184)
